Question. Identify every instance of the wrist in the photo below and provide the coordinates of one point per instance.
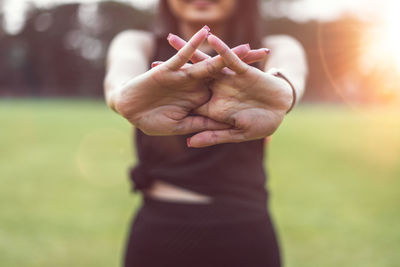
(279, 73)
(115, 97)
(128, 100)
(111, 100)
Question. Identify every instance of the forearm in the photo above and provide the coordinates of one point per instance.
(288, 55)
(127, 58)
(119, 74)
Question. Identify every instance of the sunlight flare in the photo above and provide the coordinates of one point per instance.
(382, 41)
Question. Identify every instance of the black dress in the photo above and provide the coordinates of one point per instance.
(234, 230)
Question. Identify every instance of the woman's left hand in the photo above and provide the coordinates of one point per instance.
(252, 101)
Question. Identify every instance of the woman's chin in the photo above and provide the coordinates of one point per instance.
(200, 19)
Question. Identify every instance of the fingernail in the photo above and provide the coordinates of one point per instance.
(188, 142)
(268, 51)
(155, 64)
(206, 28)
(170, 36)
(248, 46)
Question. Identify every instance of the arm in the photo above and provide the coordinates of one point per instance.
(128, 56)
(288, 55)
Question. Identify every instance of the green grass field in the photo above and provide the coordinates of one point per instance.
(65, 197)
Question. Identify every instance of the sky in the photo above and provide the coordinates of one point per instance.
(301, 10)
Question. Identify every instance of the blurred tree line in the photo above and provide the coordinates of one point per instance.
(61, 51)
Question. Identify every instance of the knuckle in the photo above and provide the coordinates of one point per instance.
(178, 128)
(242, 69)
(237, 137)
(191, 45)
(214, 137)
(182, 57)
(223, 51)
(189, 73)
(204, 122)
(211, 68)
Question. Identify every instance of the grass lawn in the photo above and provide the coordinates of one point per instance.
(65, 197)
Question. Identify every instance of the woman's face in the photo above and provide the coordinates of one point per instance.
(202, 11)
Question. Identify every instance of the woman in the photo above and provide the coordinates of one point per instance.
(200, 130)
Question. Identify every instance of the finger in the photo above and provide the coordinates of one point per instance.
(210, 138)
(213, 66)
(231, 60)
(192, 124)
(187, 51)
(158, 63)
(253, 56)
(256, 55)
(178, 43)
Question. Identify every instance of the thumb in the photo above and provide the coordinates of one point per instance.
(203, 110)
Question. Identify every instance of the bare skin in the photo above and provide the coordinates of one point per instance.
(251, 57)
(161, 101)
(251, 101)
(244, 103)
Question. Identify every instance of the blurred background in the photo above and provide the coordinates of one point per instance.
(334, 164)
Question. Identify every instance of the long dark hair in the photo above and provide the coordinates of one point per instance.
(244, 24)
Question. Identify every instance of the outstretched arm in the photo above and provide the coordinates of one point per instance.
(128, 56)
(160, 101)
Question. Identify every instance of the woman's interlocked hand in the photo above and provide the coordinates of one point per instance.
(161, 101)
(220, 99)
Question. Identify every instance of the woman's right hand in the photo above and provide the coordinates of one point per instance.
(160, 101)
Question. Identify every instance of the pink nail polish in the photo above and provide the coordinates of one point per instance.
(170, 36)
(268, 51)
(156, 63)
(248, 46)
(206, 28)
(188, 142)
